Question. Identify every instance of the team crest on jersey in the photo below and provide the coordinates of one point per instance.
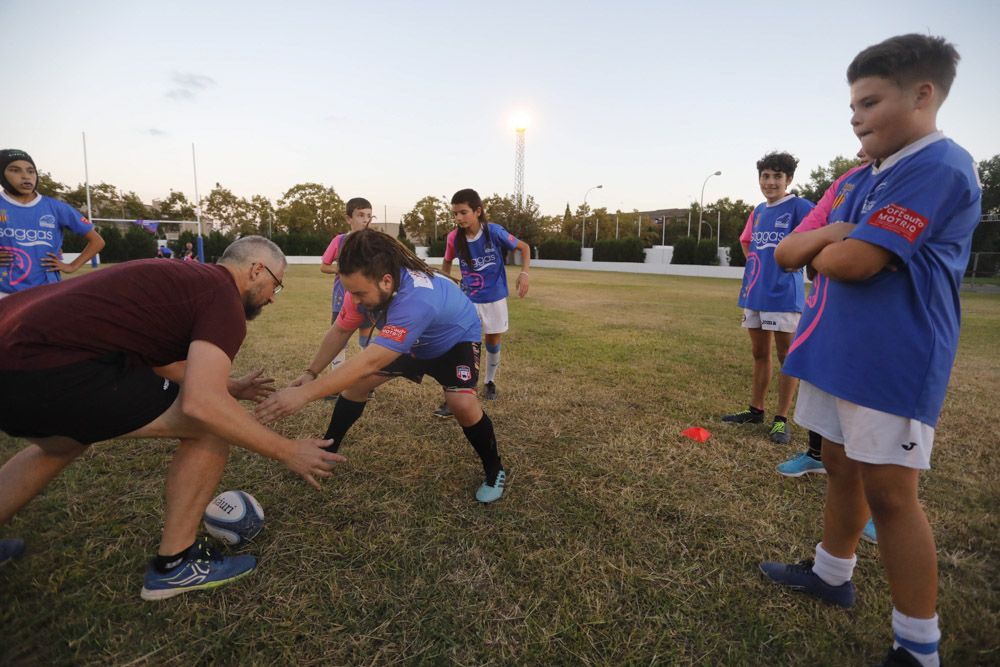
(873, 196)
(463, 373)
(392, 332)
(3, 215)
(47, 221)
(783, 220)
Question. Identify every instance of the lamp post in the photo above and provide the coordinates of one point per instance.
(701, 203)
(583, 227)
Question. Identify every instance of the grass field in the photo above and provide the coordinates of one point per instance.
(618, 541)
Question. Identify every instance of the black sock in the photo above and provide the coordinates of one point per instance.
(815, 446)
(164, 564)
(484, 441)
(345, 413)
(780, 418)
(755, 411)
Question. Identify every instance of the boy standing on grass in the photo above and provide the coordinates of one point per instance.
(875, 348)
(771, 298)
(359, 216)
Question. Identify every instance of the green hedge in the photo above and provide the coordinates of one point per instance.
(687, 250)
(436, 247)
(559, 249)
(736, 256)
(619, 250)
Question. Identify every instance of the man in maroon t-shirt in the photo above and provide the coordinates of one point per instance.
(144, 349)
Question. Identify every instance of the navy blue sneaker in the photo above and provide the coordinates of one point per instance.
(800, 577)
(900, 657)
(201, 569)
(10, 549)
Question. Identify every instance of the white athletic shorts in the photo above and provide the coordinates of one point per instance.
(493, 316)
(762, 319)
(868, 435)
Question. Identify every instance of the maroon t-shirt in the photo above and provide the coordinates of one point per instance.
(149, 309)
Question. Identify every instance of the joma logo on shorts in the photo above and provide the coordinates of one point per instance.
(909, 446)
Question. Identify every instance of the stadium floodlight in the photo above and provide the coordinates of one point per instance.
(701, 204)
(583, 229)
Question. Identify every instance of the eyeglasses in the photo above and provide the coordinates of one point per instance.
(277, 283)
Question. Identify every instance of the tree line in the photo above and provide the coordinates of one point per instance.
(307, 215)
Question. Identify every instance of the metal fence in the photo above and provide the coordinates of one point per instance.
(983, 269)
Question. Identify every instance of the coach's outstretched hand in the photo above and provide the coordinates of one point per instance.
(310, 460)
(281, 404)
(251, 387)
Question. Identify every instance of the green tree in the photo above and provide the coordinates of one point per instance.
(50, 187)
(175, 207)
(311, 208)
(235, 214)
(822, 177)
(428, 219)
(989, 175)
(524, 222)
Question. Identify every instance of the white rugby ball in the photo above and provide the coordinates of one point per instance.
(234, 517)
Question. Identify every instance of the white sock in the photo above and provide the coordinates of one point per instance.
(339, 359)
(832, 570)
(492, 364)
(919, 636)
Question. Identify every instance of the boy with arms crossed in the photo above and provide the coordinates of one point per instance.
(875, 347)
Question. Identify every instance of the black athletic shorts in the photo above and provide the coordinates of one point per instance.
(455, 370)
(88, 401)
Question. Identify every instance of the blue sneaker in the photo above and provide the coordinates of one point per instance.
(487, 493)
(868, 534)
(800, 577)
(10, 549)
(801, 464)
(202, 568)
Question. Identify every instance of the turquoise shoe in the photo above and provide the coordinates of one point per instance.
(488, 493)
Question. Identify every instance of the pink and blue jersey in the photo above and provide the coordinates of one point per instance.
(766, 286)
(330, 255)
(428, 316)
(486, 280)
(820, 216)
(29, 232)
(889, 342)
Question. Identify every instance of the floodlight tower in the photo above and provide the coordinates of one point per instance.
(520, 123)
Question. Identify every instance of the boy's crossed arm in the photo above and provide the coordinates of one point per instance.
(831, 253)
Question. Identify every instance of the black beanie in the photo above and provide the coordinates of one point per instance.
(8, 155)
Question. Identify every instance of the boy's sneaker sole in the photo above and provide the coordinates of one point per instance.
(800, 577)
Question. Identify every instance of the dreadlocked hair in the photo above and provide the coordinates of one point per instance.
(374, 254)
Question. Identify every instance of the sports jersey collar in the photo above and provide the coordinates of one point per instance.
(478, 235)
(780, 201)
(907, 151)
(14, 202)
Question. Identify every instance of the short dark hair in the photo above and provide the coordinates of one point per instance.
(784, 163)
(356, 203)
(908, 59)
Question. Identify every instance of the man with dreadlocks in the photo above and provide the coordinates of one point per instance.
(427, 326)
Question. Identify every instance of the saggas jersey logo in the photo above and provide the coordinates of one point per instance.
(767, 239)
(28, 237)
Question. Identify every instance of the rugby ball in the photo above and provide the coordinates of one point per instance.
(234, 517)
